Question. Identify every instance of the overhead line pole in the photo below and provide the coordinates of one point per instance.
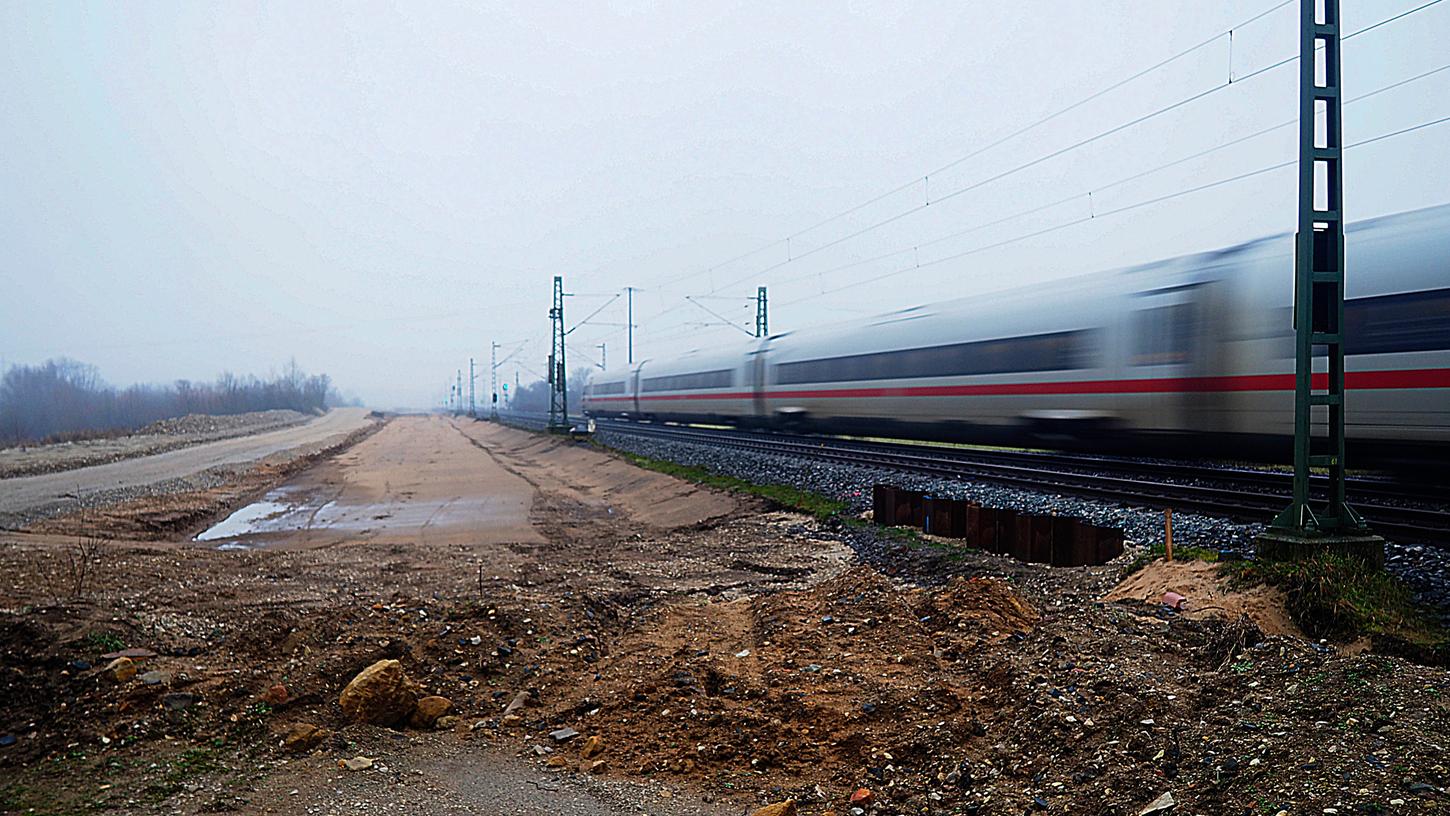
(558, 378)
(629, 321)
(762, 324)
(1303, 530)
(472, 403)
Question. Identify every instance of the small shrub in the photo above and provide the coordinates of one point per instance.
(1342, 598)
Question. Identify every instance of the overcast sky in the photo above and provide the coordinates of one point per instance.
(381, 189)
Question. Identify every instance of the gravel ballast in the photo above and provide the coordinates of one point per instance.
(1424, 568)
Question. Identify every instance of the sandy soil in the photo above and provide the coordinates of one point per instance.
(723, 653)
(417, 481)
(1208, 595)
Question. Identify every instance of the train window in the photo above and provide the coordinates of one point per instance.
(1058, 351)
(1388, 324)
(723, 378)
(1163, 335)
(606, 389)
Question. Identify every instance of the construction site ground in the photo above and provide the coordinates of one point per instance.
(668, 649)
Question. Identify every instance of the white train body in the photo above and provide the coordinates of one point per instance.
(1192, 351)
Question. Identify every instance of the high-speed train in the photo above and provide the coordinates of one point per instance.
(1195, 352)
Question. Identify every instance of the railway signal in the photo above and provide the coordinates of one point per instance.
(493, 381)
(1304, 529)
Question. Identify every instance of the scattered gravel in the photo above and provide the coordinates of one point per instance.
(1424, 568)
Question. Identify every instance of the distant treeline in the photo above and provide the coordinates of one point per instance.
(63, 399)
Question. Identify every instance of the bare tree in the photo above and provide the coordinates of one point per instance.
(64, 399)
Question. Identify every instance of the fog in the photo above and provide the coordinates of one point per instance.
(381, 190)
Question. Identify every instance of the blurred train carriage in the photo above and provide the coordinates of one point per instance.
(1192, 354)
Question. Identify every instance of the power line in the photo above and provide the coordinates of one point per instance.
(1112, 212)
(1055, 153)
(1099, 189)
(593, 313)
(794, 256)
(727, 321)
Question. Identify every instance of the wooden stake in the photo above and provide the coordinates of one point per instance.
(1168, 532)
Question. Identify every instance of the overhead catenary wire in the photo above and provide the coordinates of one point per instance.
(593, 313)
(722, 318)
(1100, 188)
(1115, 211)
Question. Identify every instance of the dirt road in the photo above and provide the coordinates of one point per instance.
(29, 493)
(419, 480)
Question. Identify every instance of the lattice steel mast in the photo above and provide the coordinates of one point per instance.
(1303, 528)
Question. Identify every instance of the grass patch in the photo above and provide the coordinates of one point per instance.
(192, 763)
(105, 641)
(1341, 598)
(1158, 551)
(822, 507)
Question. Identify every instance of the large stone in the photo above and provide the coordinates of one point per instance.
(786, 808)
(428, 711)
(381, 694)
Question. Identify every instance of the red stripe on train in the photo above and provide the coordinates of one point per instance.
(1354, 380)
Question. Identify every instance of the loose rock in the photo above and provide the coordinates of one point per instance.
(122, 669)
(517, 703)
(303, 737)
(428, 711)
(381, 694)
(357, 763)
(1162, 804)
(179, 701)
(592, 747)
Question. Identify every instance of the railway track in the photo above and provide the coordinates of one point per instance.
(1393, 508)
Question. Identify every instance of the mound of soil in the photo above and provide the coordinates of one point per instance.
(1208, 595)
(818, 686)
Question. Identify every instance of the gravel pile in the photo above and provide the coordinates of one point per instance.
(1424, 568)
(210, 424)
(158, 437)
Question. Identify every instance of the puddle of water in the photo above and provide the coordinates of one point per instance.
(245, 520)
(290, 510)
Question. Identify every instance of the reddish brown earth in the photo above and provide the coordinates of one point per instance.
(725, 654)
